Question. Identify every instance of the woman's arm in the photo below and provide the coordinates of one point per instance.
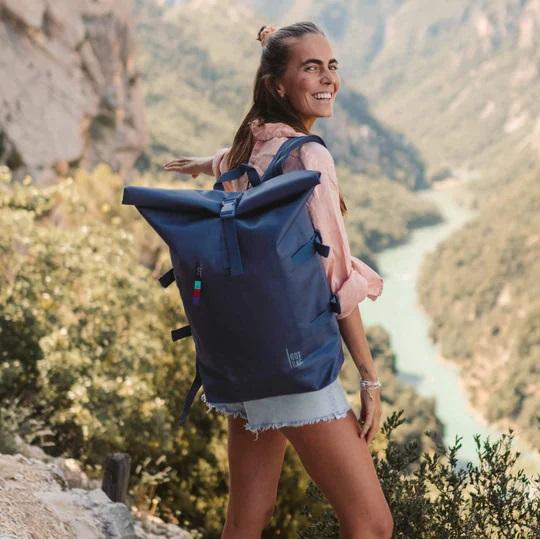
(354, 335)
(198, 165)
(350, 279)
(352, 332)
(215, 162)
(211, 165)
(206, 165)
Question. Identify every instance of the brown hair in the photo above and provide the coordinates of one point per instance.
(267, 105)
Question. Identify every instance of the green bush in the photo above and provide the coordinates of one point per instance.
(87, 366)
(432, 496)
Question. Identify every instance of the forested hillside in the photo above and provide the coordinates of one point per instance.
(485, 305)
(199, 81)
(460, 78)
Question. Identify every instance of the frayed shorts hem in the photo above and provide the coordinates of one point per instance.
(266, 426)
(211, 406)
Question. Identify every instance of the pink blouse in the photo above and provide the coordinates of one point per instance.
(350, 279)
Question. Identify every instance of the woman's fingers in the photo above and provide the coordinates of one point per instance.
(178, 168)
(372, 430)
(170, 163)
(368, 422)
(184, 165)
(176, 163)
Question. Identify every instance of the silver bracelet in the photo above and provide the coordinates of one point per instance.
(369, 384)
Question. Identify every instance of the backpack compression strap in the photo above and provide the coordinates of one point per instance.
(275, 167)
(176, 334)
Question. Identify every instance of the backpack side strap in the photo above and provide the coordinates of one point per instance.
(180, 333)
(314, 244)
(195, 385)
(167, 278)
(334, 304)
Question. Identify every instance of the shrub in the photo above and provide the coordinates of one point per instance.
(435, 497)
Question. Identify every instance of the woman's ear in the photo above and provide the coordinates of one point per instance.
(276, 88)
(280, 89)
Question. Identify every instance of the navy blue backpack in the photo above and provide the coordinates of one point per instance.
(254, 290)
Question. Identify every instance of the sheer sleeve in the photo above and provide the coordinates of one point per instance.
(217, 161)
(350, 279)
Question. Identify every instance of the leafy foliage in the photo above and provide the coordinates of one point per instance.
(87, 367)
(381, 213)
(86, 363)
(431, 496)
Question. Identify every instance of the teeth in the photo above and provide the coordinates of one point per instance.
(323, 95)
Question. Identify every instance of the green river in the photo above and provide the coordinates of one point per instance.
(418, 358)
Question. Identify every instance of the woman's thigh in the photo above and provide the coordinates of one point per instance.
(340, 463)
(254, 471)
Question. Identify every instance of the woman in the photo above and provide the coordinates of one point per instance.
(296, 83)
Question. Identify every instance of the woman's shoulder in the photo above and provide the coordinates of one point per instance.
(219, 163)
(316, 156)
(315, 151)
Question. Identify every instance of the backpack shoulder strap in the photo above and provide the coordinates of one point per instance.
(234, 173)
(275, 168)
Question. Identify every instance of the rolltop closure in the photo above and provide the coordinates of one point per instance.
(227, 215)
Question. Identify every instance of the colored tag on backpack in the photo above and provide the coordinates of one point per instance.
(197, 286)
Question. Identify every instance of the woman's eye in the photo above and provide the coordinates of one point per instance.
(333, 66)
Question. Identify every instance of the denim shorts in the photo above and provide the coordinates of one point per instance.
(293, 410)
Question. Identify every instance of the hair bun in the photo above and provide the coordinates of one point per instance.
(264, 32)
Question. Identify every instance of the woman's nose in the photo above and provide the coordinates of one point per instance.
(329, 80)
(329, 76)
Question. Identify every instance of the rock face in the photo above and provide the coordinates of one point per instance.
(36, 503)
(52, 498)
(70, 93)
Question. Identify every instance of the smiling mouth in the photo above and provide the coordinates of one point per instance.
(323, 96)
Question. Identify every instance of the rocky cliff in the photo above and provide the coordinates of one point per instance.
(70, 92)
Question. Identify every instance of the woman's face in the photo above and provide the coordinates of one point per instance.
(312, 70)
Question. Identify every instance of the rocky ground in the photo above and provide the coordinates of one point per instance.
(44, 497)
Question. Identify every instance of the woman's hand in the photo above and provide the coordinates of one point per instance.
(370, 414)
(190, 165)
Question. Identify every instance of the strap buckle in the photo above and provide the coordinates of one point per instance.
(228, 208)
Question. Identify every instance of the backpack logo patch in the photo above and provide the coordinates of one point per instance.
(295, 358)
